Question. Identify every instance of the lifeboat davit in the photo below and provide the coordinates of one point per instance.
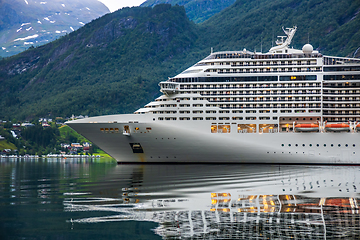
(307, 127)
(337, 127)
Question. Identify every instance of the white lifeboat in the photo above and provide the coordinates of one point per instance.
(357, 127)
(306, 127)
(337, 127)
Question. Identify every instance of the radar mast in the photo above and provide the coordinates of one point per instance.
(283, 46)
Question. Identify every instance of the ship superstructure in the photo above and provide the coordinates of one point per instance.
(286, 105)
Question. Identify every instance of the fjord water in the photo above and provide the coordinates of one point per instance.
(79, 199)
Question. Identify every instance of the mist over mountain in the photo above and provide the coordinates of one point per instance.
(114, 64)
(197, 10)
(25, 23)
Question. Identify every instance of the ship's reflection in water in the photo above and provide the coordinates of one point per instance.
(230, 201)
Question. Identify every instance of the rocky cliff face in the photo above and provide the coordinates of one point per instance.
(25, 23)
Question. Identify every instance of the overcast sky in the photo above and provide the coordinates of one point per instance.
(114, 5)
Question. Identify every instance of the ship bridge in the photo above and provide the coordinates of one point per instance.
(169, 87)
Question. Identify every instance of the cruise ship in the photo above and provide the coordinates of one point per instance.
(284, 106)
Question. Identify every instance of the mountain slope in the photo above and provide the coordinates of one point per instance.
(118, 57)
(24, 23)
(331, 26)
(197, 10)
(113, 64)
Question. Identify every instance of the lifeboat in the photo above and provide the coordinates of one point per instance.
(357, 127)
(337, 127)
(307, 127)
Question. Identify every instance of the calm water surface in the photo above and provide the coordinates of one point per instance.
(76, 199)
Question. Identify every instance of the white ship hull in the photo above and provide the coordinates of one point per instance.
(182, 142)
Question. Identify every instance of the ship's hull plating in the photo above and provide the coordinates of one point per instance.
(193, 142)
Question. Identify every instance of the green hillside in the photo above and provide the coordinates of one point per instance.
(113, 64)
(331, 26)
(197, 10)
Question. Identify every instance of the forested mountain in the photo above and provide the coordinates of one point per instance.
(113, 64)
(197, 10)
(25, 23)
(331, 26)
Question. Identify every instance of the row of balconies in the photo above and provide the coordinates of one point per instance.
(259, 93)
(261, 70)
(318, 85)
(275, 100)
(293, 63)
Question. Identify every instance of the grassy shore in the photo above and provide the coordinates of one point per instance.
(5, 145)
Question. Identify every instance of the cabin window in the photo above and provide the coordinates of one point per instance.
(268, 128)
(246, 128)
(237, 118)
(250, 118)
(224, 128)
(197, 118)
(213, 128)
(126, 129)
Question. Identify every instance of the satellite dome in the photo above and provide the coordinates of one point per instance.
(307, 49)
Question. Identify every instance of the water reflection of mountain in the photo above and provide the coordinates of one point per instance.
(230, 201)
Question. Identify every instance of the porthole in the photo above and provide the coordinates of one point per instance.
(303, 145)
(317, 145)
(310, 145)
(353, 145)
(296, 145)
(339, 145)
(289, 145)
(282, 145)
(332, 145)
(324, 145)
(346, 145)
